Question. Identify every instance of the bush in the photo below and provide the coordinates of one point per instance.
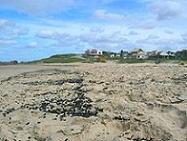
(102, 59)
(132, 61)
(158, 61)
(182, 63)
(66, 58)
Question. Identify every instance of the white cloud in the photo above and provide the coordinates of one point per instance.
(97, 29)
(61, 39)
(155, 42)
(33, 44)
(49, 34)
(113, 37)
(145, 25)
(133, 33)
(105, 15)
(184, 36)
(10, 30)
(153, 37)
(7, 42)
(3, 22)
(168, 32)
(2, 52)
(58, 36)
(168, 9)
(37, 7)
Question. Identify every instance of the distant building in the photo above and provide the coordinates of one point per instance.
(112, 55)
(171, 54)
(167, 55)
(93, 52)
(153, 54)
(118, 55)
(164, 54)
(9, 63)
(160, 54)
(124, 54)
(138, 54)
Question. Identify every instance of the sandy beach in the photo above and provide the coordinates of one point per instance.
(93, 102)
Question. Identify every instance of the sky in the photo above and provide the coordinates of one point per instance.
(34, 29)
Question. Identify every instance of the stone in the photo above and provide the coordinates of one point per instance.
(175, 100)
(182, 97)
(73, 130)
(122, 117)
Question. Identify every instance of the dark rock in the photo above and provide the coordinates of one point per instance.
(122, 118)
(77, 106)
(27, 123)
(54, 82)
(7, 111)
(180, 79)
(142, 139)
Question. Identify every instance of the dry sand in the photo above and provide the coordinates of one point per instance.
(93, 102)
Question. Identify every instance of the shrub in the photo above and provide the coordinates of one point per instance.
(102, 59)
(158, 61)
(131, 60)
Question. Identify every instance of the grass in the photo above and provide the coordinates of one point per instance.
(70, 58)
(67, 58)
(131, 61)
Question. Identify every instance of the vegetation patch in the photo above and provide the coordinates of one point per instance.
(67, 58)
(131, 61)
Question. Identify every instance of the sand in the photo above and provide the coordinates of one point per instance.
(93, 102)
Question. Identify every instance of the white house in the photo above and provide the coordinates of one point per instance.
(93, 53)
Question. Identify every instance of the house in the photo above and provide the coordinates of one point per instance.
(118, 55)
(9, 63)
(171, 54)
(164, 55)
(153, 54)
(112, 55)
(167, 55)
(93, 53)
(138, 54)
(124, 54)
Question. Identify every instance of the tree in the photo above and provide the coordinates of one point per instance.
(122, 54)
(182, 55)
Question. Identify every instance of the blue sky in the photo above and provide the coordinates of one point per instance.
(35, 29)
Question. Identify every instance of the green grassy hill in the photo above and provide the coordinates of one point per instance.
(62, 58)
